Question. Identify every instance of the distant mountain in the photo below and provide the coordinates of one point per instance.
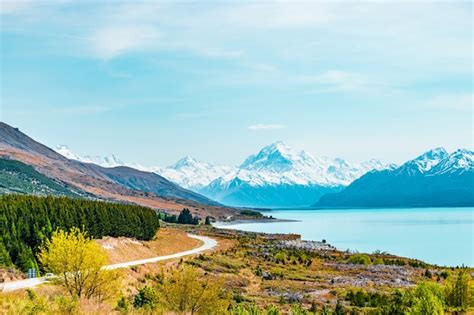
(278, 176)
(435, 178)
(187, 172)
(107, 161)
(116, 183)
(193, 174)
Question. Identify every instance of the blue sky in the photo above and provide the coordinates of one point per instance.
(155, 81)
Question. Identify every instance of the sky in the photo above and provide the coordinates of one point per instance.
(155, 81)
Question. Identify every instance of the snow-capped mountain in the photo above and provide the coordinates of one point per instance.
(106, 161)
(424, 162)
(435, 178)
(279, 164)
(460, 161)
(281, 176)
(193, 174)
(187, 172)
(276, 176)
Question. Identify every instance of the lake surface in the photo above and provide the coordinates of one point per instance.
(443, 236)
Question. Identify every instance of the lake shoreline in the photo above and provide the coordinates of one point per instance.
(439, 236)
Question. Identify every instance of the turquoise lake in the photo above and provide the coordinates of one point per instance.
(442, 236)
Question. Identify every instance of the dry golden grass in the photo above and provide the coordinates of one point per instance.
(167, 241)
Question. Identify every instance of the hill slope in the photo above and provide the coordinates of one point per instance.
(120, 183)
(17, 177)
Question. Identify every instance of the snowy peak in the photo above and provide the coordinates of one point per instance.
(461, 160)
(65, 151)
(187, 161)
(279, 164)
(277, 157)
(107, 161)
(438, 161)
(193, 174)
(430, 158)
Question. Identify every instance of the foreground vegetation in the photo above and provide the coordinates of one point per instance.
(27, 221)
(252, 274)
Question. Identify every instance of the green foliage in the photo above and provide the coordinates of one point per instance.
(428, 299)
(147, 297)
(78, 263)
(251, 309)
(359, 259)
(251, 213)
(292, 256)
(459, 290)
(185, 217)
(186, 291)
(298, 310)
(122, 305)
(272, 310)
(5, 259)
(27, 221)
(361, 298)
(340, 310)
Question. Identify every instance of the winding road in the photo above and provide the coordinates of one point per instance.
(209, 243)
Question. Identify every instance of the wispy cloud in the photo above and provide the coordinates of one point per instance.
(337, 81)
(112, 41)
(266, 127)
(455, 101)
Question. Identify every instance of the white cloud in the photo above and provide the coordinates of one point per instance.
(111, 41)
(266, 127)
(461, 102)
(13, 6)
(342, 81)
(336, 80)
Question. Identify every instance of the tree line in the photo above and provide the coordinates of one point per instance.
(27, 221)
(184, 217)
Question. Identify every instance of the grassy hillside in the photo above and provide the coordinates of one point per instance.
(17, 177)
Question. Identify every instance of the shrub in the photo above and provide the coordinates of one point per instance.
(359, 259)
(147, 297)
(428, 299)
(251, 213)
(184, 291)
(78, 261)
(459, 290)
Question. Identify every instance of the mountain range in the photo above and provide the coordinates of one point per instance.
(434, 179)
(276, 176)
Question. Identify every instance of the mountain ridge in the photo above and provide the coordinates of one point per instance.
(273, 172)
(435, 178)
